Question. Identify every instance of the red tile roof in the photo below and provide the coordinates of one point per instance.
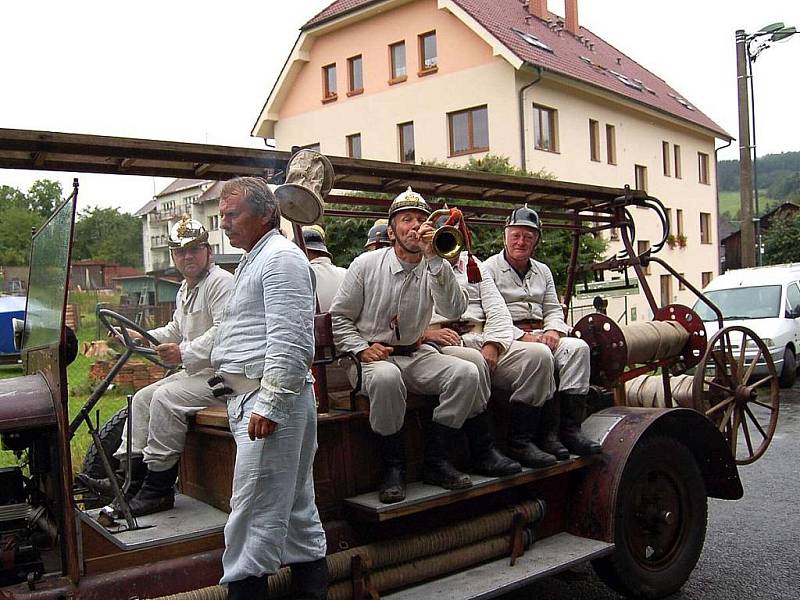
(591, 59)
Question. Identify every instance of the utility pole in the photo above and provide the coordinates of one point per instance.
(747, 238)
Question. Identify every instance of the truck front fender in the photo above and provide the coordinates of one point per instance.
(619, 429)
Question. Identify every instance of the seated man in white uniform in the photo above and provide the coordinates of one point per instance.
(526, 370)
(328, 276)
(382, 309)
(161, 410)
(529, 291)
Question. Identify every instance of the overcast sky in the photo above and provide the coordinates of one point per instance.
(200, 71)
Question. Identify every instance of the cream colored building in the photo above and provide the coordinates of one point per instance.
(412, 80)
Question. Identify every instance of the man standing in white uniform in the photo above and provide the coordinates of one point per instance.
(382, 309)
(262, 355)
(526, 370)
(161, 410)
(529, 291)
(328, 276)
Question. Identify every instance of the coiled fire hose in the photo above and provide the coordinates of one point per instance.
(404, 561)
(647, 391)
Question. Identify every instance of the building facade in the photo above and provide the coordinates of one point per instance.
(414, 80)
(198, 198)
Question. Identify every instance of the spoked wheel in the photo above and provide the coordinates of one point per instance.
(660, 521)
(743, 404)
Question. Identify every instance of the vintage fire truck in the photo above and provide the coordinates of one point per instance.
(637, 511)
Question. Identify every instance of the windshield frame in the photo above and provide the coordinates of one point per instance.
(69, 205)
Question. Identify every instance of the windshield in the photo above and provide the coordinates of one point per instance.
(761, 302)
(47, 286)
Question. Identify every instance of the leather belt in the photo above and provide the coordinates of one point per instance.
(232, 384)
(460, 327)
(400, 350)
(529, 324)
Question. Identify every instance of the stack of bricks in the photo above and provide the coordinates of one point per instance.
(133, 376)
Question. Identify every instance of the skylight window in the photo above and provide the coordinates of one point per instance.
(626, 80)
(681, 100)
(532, 40)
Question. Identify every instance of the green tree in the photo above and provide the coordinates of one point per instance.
(782, 240)
(108, 234)
(21, 213)
(43, 196)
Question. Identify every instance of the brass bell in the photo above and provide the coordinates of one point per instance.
(309, 178)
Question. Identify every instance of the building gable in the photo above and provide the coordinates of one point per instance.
(523, 39)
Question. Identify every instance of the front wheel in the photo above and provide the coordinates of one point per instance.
(660, 521)
(789, 370)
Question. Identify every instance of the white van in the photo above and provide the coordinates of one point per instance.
(766, 300)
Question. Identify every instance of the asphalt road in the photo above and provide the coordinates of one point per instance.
(752, 548)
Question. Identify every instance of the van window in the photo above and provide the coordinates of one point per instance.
(793, 296)
(758, 302)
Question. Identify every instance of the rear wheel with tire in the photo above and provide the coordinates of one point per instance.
(660, 521)
(111, 437)
(789, 370)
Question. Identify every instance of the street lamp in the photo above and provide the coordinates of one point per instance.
(748, 48)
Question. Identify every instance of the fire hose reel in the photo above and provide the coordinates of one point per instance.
(675, 339)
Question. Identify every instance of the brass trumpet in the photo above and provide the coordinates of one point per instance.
(448, 242)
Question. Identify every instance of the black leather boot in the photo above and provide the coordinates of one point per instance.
(486, 458)
(393, 454)
(102, 487)
(573, 411)
(309, 580)
(524, 422)
(438, 468)
(249, 588)
(157, 493)
(549, 424)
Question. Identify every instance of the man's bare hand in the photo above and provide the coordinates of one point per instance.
(442, 337)
(551, 338)
(134, 335)
(531, 338)
(260, 427)
(425, 236)
(169, 353)
(375, 352)
(490, 354)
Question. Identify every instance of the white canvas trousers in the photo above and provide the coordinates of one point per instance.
(160, 414)
(525, 370)
(274, 518)
(462, 387)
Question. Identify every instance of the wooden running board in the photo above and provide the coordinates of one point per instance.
(493, 579)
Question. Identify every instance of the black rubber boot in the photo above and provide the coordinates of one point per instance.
(393, 454)
(249, 588)
(486, 458)
(438, 468)
(102, 487)
(573, 411)
(524, 422)
(549, 424)
(157, 493)
(309, 580)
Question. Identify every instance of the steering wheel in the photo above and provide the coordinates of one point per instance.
(145, 352)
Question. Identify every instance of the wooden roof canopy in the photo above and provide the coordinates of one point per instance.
(578, 204)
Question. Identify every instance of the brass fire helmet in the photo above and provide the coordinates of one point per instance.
(187, 233)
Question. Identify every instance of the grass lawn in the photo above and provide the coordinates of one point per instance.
(78, 381)
(729, 202)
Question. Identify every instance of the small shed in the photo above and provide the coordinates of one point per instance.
(147, 289)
